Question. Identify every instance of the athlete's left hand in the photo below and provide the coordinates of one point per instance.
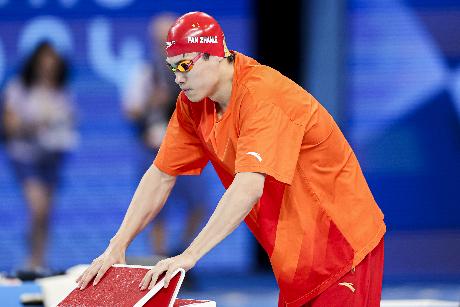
(169, 265)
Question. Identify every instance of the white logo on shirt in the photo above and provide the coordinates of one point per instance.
(255, 154)
(349, 285)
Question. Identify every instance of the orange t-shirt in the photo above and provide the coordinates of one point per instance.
(316, 218)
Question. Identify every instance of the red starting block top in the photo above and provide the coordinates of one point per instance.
(120, 287)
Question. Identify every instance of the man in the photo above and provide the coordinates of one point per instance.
(288, 170)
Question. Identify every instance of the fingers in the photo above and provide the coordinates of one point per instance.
(149, 280)
(145, 280)
(100, 273)
(168, 276)
(151, 277)
(82, 283)
(82, 275)
(154, 279)
(87, 278)
(88, 275)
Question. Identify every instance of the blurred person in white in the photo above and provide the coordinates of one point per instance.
(39, 123)
(149, 102)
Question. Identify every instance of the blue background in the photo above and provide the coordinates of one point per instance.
(104, 44)
(403, 108)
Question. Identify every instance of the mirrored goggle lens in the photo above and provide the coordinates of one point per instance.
(185, 66)
(182, 66)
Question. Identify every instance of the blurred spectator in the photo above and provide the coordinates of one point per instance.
(150, 98)
(38, 119)
(148, 103)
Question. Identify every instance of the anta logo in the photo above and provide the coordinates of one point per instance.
(255, 154)
(349, 285)
(169, 44)
(202, 39)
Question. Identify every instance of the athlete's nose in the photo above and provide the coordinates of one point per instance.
(180, 78)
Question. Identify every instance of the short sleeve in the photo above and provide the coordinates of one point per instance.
(181, 152)
(269, 140)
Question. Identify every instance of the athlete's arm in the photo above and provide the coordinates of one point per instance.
(233, 207)
(149, 198)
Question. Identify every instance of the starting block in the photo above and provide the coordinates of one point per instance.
(120, 287)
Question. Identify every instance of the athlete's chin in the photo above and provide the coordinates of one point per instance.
(193, 96)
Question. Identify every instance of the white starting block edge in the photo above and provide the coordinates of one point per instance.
(418, 303)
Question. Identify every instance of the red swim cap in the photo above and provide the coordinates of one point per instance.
(196, 32)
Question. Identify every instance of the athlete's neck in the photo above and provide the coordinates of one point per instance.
(224, 87)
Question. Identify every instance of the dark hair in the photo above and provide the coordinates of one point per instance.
(230, 58)
(29, 70)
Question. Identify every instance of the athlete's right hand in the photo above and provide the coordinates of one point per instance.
(100, 265)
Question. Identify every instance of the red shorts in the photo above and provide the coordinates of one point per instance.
(361, 287)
